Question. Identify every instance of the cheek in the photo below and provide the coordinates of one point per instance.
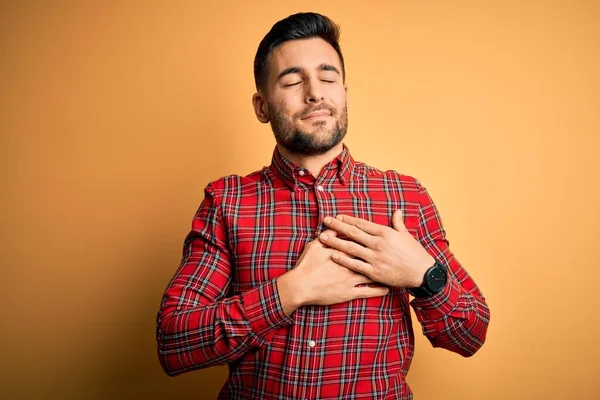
(339, 98)
(286, 105)
(278, 109)
(290, 111)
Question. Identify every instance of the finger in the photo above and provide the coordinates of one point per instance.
(353, 264)
(365, 292)
(369, 227)
(351, 231)
(329, 233)
(397, 221)
(360, 279)
(350, 248)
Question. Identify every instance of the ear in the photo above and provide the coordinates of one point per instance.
(260, 108)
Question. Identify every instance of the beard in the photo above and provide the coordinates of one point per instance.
(319, 142)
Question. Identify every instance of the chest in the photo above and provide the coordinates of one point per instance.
(269, 231)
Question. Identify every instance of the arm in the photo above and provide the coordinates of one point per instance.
(197, 325)
(456, 318)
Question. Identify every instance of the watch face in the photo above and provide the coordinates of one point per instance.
(436, 279)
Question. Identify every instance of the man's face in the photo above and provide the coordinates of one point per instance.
(306, 96)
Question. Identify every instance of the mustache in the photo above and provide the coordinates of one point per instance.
(320, 107)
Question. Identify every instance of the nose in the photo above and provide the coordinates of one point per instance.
(314, 92)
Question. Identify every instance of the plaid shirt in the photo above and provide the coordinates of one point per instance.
(222, 305)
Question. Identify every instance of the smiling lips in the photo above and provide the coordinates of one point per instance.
(317, 114)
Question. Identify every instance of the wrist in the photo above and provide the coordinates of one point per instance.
(420, 270)
(290, 292)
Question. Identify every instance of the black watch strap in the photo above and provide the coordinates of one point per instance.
(420, 292)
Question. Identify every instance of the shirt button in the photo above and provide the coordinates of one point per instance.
(320, 188)
(312, 343)
(301, 172)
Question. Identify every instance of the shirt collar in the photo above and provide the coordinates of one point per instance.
(339, 168)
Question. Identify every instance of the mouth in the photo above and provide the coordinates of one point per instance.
(317, 114)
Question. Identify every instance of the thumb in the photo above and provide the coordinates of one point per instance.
(397, 222)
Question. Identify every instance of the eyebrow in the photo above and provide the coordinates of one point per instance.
(298, 70)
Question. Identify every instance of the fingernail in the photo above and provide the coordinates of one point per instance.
(340, 217)
(327, 220)
(324, 236)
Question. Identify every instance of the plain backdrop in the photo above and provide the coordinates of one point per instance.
(114, 116)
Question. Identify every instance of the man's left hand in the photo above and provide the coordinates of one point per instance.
(391, 256)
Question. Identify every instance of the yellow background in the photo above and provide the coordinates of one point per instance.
(114, 115)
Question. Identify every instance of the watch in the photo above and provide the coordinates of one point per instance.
(434, 281)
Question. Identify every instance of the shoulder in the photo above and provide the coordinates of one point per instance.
(388, 177)
(236, 185)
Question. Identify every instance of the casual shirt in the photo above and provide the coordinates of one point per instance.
(222, 305)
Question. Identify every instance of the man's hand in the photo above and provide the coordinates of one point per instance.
(318, 280)
(389, 256)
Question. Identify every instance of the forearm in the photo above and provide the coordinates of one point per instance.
(456, 318)
(223, 331)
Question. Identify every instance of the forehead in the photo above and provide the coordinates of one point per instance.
(305, 53)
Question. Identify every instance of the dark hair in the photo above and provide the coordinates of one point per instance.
(294, 27)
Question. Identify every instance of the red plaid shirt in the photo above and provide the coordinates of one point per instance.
(222, 305)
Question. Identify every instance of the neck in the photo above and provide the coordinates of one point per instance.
(313, 163)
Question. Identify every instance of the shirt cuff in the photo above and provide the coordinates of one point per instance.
(440, 304)
(264, 311)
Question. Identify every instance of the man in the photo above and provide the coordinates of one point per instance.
(298, 276)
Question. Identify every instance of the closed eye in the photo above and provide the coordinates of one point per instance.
(293, 84)
(327, 81)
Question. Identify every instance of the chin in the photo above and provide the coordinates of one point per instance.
(316, 126)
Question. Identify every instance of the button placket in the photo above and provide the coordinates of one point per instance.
(314, 330)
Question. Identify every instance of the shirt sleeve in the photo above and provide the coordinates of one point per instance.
(199, 323)
(456, 318)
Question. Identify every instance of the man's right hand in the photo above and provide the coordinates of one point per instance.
(317, 280)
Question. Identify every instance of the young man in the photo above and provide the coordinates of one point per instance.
(299, 275)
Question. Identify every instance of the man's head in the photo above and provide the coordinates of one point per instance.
(300, 79)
